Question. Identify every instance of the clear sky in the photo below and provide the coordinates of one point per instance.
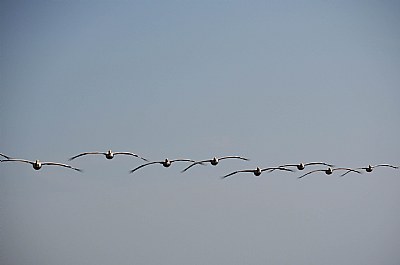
(275, 81)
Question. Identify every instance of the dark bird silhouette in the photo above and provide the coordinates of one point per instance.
(302, 166)
(329, 171)
(214, 161)
(3, 155)
(257, 172)
(109, 154)
(165, 163)
(38, 165)
(369, 168)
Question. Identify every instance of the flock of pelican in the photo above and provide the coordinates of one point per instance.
(328, 170)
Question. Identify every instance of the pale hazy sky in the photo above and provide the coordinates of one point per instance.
(275, 81)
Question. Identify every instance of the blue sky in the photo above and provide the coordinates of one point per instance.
(275, 81)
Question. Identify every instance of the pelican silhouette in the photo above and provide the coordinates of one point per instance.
(109, 154)
(302, 166)
(329, 171)
(214, 161)
(369, 168)
(38, 165)
(3, 155)
(257, 172)
(165, 163)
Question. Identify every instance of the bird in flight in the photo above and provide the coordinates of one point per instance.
(369, 168)
(3, 155)
(330, 170)
(38, 165)
(165, 163)
(302, 166)
(109, 154)
(214, 161)
(257, 172)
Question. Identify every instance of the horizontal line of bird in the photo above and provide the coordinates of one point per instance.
(213, 161)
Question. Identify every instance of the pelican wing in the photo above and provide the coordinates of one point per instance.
(87, 153)
(318, 163)
(182, 160)
(146, 164)
(350, 170)
(313, 171)
(238, 171)
(18, 160)
(270, 169)
(195, 163)
(386, 165)
(229, 157)
(130, 154)
(3, 155)
(289, 165)
(61, 165)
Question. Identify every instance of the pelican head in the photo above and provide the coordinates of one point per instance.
(214, 161)
(328, 171)
(300, 166)
(257, 172)
(166, 163)
(369, 168)
(37, 165)
(109, 154)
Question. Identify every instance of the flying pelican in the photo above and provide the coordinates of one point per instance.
(109, 154)
(301, 166)
(3, 155)
(38, 165)
(165, 163)
(369, 168)
(214, 161)
(257, 172)
(330, 170)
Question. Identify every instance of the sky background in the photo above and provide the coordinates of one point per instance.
(275, 81)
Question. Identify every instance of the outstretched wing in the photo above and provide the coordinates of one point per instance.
(313, 171)
(87, 153)
(318, 163)
(348, 170)
(236, 157)
(270, 169)
(386, 165)
(195, 163)
(238, 171)
(182, 160)
(130, 154)
(3, 155)
(155, 162)
(61, 165)
(288, 165)
(18, 160)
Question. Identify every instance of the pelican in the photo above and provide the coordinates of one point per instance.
(302, 166)
(369, 168)
(330, 170)
(109, 154)
(3, 155)
(257, 172)
(38, 165)
(214, 161)
(165, 163)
